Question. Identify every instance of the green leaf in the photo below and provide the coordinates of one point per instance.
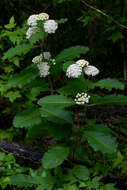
(51, 129)
(73, 87)
(47, 183)
(116, 36)
(56, 100)
(20, 50)
(59, 131)
(55, 157)
(37, 131)
(109, 186)
(71, 53)
(69, 187)
(26, 118)
(81, 172)
(13, 95)
(111, 100)
(24, 77)
(11, 23)
(81, 154)
(36, 37)
(98, 127)
(62, 20)
(57, 115)
(109, 84)
(22, 180)
(100, 141)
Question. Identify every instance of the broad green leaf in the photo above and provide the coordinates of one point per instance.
(20, 50)
(71, 53)
(81, 154)
(81, 172)
(24, 77)
(47, 183)
(55, 157)
(73, 87)
(56, 100)
(112, 100)
(51, 129)
(22, 180)
(99, 127)
(69, 187)
(59, 131)
(26, 118)
(109, 84)
(38, 130)
(100, 141)
(57, 115)
(109, 186)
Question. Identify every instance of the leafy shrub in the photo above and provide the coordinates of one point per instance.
(48, 90)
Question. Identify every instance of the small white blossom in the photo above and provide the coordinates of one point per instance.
(91, 70)
(43, 69)
(74, 71)
(41, 57)
(82, 62)
(82, 98)
(53, 61)
(47, 55)
(32, 20)
(31, 31)
(37, 59)
(43, 16)
(50, 26)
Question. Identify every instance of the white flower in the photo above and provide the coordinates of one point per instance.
(43, 69)
(43, 16)
(82, 62)
(47, 55)
(74, 71)
(82, 98)
(53, 61)
(37, 59)
(31, 31)
(91, 70)
(32, 20)
(50, 26)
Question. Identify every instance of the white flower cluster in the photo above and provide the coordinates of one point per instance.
(31, 31)
(43, 16)
(75, 70)
(41, 57)
(43, 62)
(50, 26)
(43, 69)
(82, 98)
(91, 70)
(32, 20)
